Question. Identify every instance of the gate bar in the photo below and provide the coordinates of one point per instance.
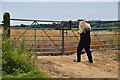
(34, 20)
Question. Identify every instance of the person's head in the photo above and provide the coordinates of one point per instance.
(83, 26)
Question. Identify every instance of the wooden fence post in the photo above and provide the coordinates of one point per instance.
(6, 24)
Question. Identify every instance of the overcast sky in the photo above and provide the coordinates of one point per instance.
(54, 10)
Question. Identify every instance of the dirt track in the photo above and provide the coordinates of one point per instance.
(105, 65)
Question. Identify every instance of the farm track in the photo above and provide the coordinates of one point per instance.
(105, 65)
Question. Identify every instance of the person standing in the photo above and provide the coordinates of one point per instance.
(85, 40)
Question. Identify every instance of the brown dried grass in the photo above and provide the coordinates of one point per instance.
(67, 39)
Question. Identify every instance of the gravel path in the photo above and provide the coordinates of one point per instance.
(105, 65)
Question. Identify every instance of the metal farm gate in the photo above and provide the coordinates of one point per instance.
(62, 39)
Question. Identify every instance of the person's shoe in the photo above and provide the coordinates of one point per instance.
(76, 61)
(90, 61)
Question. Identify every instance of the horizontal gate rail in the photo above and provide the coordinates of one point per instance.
(54, 52)
(94, 45)
(105, 49)
(106, 40)
(95, 41)
(64, 36)
(76, 46)
(34, 20)
(46, 52)
(32, 28)
(71, 47)
(104, 45)
(43, 48)
(36, 35)
(70, 42)
(35, 40)
(37, 44)
(103, 34)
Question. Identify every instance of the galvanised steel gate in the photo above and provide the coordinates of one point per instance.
(63, 39)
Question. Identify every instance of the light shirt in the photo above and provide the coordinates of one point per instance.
(80, 31)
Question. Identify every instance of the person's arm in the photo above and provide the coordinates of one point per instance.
(80, 31)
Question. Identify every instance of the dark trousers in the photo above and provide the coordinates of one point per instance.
(86, 46)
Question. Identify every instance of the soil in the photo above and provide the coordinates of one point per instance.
(105, 65)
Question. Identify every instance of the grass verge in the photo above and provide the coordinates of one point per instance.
(16, 63)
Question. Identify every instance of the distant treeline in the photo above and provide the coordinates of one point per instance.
(74, 25)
